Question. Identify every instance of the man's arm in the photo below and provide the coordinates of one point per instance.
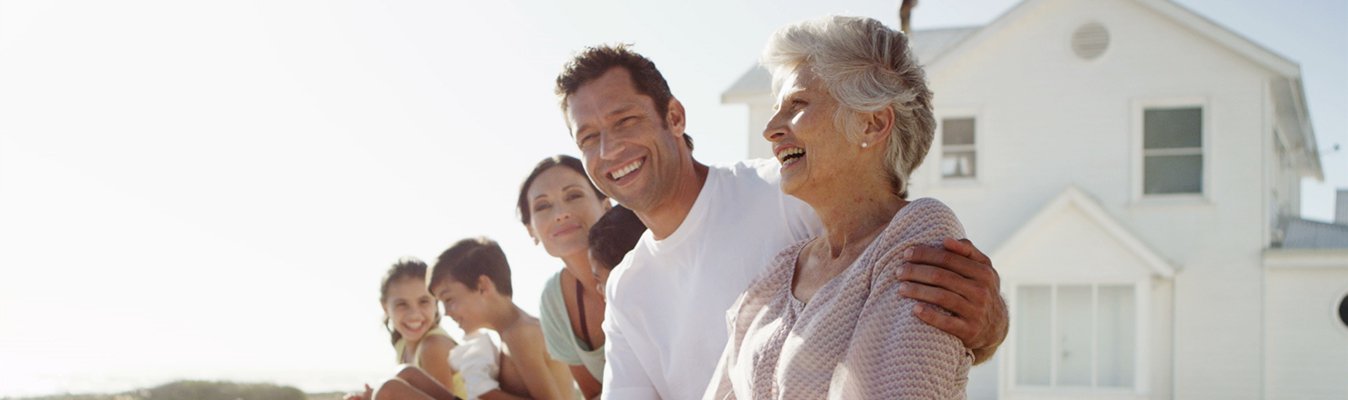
(960, 279)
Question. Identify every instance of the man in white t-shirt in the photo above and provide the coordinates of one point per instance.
(713, 231)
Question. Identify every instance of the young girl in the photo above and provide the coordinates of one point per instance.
(421, 345)
(472, 278)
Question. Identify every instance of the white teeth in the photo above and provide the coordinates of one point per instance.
(621, 172)
(782, 155)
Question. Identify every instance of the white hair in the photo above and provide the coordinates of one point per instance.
(867, 67)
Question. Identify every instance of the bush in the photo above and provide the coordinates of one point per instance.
(198, 390)
(202, 390)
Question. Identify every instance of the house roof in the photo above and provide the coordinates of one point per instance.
(1183, 16)
(1301, 233)
(927, 44)
(1294, 126)
(935, 47)
(1293, 118)
(1075, 199)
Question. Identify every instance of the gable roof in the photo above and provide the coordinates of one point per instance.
(1288, 93)
(1184, 17)
(935, 47)
(1074, 199)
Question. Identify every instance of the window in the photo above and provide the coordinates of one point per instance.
(1172, 151)
(1343, 311)
(957, 144)
(1080, 335)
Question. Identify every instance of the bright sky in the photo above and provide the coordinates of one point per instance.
(212, 190)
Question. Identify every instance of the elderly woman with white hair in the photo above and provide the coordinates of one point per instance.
(853, 119)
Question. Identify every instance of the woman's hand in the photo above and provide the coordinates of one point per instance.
(964, 288)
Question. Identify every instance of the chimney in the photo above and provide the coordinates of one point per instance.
(1341, 207)
(905, 15)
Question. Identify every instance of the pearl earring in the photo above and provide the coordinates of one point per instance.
(863, 145)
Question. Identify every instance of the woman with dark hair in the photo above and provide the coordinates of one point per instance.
(558, 204)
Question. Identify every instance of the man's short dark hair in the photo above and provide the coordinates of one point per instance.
(594, 61)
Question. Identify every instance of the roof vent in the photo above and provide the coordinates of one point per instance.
(1090, 41)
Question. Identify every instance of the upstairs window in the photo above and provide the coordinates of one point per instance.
(957, 145)
(1172, 151)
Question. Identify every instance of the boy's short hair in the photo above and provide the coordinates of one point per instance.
(615, 234)
(469, 259)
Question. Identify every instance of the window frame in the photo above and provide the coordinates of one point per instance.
(1340, 326)
(939, 147)
(1141, 342)
(1139, 152)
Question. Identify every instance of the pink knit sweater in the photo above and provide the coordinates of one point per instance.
(855, 339)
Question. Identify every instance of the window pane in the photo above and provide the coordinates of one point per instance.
(1074, 335)
(1172, 174)
(957, 164)
(1343, 311)
(1033, 339)
(1115, 315)
(1170, 128)
(957, 131)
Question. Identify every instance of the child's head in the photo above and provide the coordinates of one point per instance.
(615, 234)
(468, 275)
(408, 307)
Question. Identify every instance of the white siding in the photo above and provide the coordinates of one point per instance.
(1307, 346)
(1226, 326)
(1049, 120)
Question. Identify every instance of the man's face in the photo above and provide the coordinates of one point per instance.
(631, 152)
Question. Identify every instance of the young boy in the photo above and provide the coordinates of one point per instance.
(611, 238)
(472, 278)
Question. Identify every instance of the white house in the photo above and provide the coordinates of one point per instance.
(1134, 169)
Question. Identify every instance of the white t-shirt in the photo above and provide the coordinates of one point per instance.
(666, 316)
(477, 360)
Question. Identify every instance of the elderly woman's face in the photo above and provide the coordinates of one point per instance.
(813, 154)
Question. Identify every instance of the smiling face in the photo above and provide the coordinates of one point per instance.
(813, 153)
(466, 306)
(631, 152)
(562, 208)
(410, 308)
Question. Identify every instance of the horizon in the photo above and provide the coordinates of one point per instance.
(212, 191)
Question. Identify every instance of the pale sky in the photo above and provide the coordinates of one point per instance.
(212, 190)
